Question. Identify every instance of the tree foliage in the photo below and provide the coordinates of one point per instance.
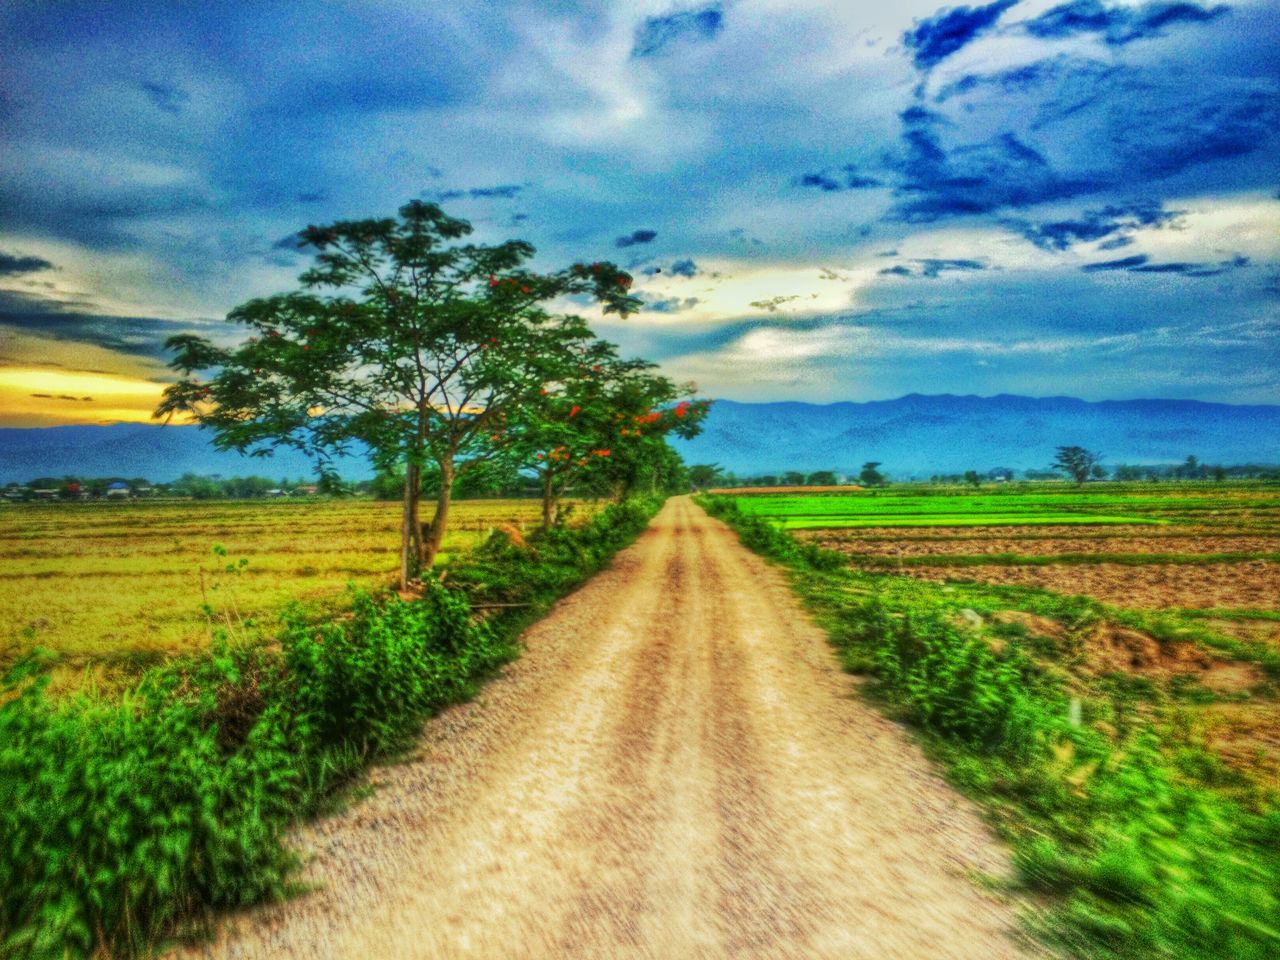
(402, 342)
(1076, 462)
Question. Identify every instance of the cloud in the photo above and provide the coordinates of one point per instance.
(1067, 127)
(1092, 225)
(934, 39)
(930, 268)
(1140, 263)
(165, 96)
(505, 191)
(683, 268)
(1029, 77)
(771, 304)
(977, 178)
(11, 264)
(636, 236)
(689, 26)
(73, 321)
(1118, 25)
(672, 304)
(1124, 263)
(850, 179)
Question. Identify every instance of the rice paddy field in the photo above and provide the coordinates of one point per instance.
(113, 587)
(1169, 593)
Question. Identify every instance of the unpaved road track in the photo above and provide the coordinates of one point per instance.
(675, 769)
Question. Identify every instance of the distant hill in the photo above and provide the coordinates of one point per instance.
(921, 435)
(913, 435)
(159, 453)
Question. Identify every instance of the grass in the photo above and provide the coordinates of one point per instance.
(1041, 560)
(1138, 832)
(126, 816)
(120, 585)
(1254, 505)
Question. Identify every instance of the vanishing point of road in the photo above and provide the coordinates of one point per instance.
(676, 768)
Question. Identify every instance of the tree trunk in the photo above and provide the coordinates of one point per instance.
(413, 477)
(550, 502)
(435, 535)
(407, 530)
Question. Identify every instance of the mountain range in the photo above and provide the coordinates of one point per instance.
(919, 435)
(915, 435)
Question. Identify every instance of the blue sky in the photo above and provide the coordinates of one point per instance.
(820, 200)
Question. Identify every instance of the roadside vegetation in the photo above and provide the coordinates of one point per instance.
(131, 810)
(127, 816)
(1128, 755)
(114, 588)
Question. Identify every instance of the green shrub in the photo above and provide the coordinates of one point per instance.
(949, 680)
(120, 817)
(1125, 832)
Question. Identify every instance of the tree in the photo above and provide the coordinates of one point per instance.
(972, 478)
(1098, 472)
(703, 475)
(793, 478)
(1076, 462)
(870, 476)
(401, 343)
(594, 414)
(822, 478)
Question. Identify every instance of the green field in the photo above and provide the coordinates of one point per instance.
(120, 585)
(1024, 506)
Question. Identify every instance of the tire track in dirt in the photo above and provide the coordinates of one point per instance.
(674, 769)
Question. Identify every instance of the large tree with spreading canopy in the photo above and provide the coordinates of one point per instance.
(402, 342)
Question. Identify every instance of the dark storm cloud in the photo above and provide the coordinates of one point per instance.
(636, 236)
(976, 178)
(505, 191)
(934, 39)
(672, 304)
(1124, 263)
(1119, 25)
(1094, 225)
(849, 178)
(75, 320)
(11, 264)
(1195, 269)
(99, 215)
(1108, 128)
(656, 33)
(1140, 263)
(1029, 77)
(931, 268)
(290, 241)
(165, 96)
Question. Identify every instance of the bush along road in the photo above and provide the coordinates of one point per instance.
(123, 818)
(1139, 840)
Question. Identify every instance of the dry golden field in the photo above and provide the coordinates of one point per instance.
(119, 585)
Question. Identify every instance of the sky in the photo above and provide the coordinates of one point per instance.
(820, 201)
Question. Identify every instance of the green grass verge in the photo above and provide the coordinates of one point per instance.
(122, 817)
(1142, 844)
(1077, 559)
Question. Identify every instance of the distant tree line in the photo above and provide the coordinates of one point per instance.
(703, 475)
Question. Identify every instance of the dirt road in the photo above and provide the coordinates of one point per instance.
(675, 769)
